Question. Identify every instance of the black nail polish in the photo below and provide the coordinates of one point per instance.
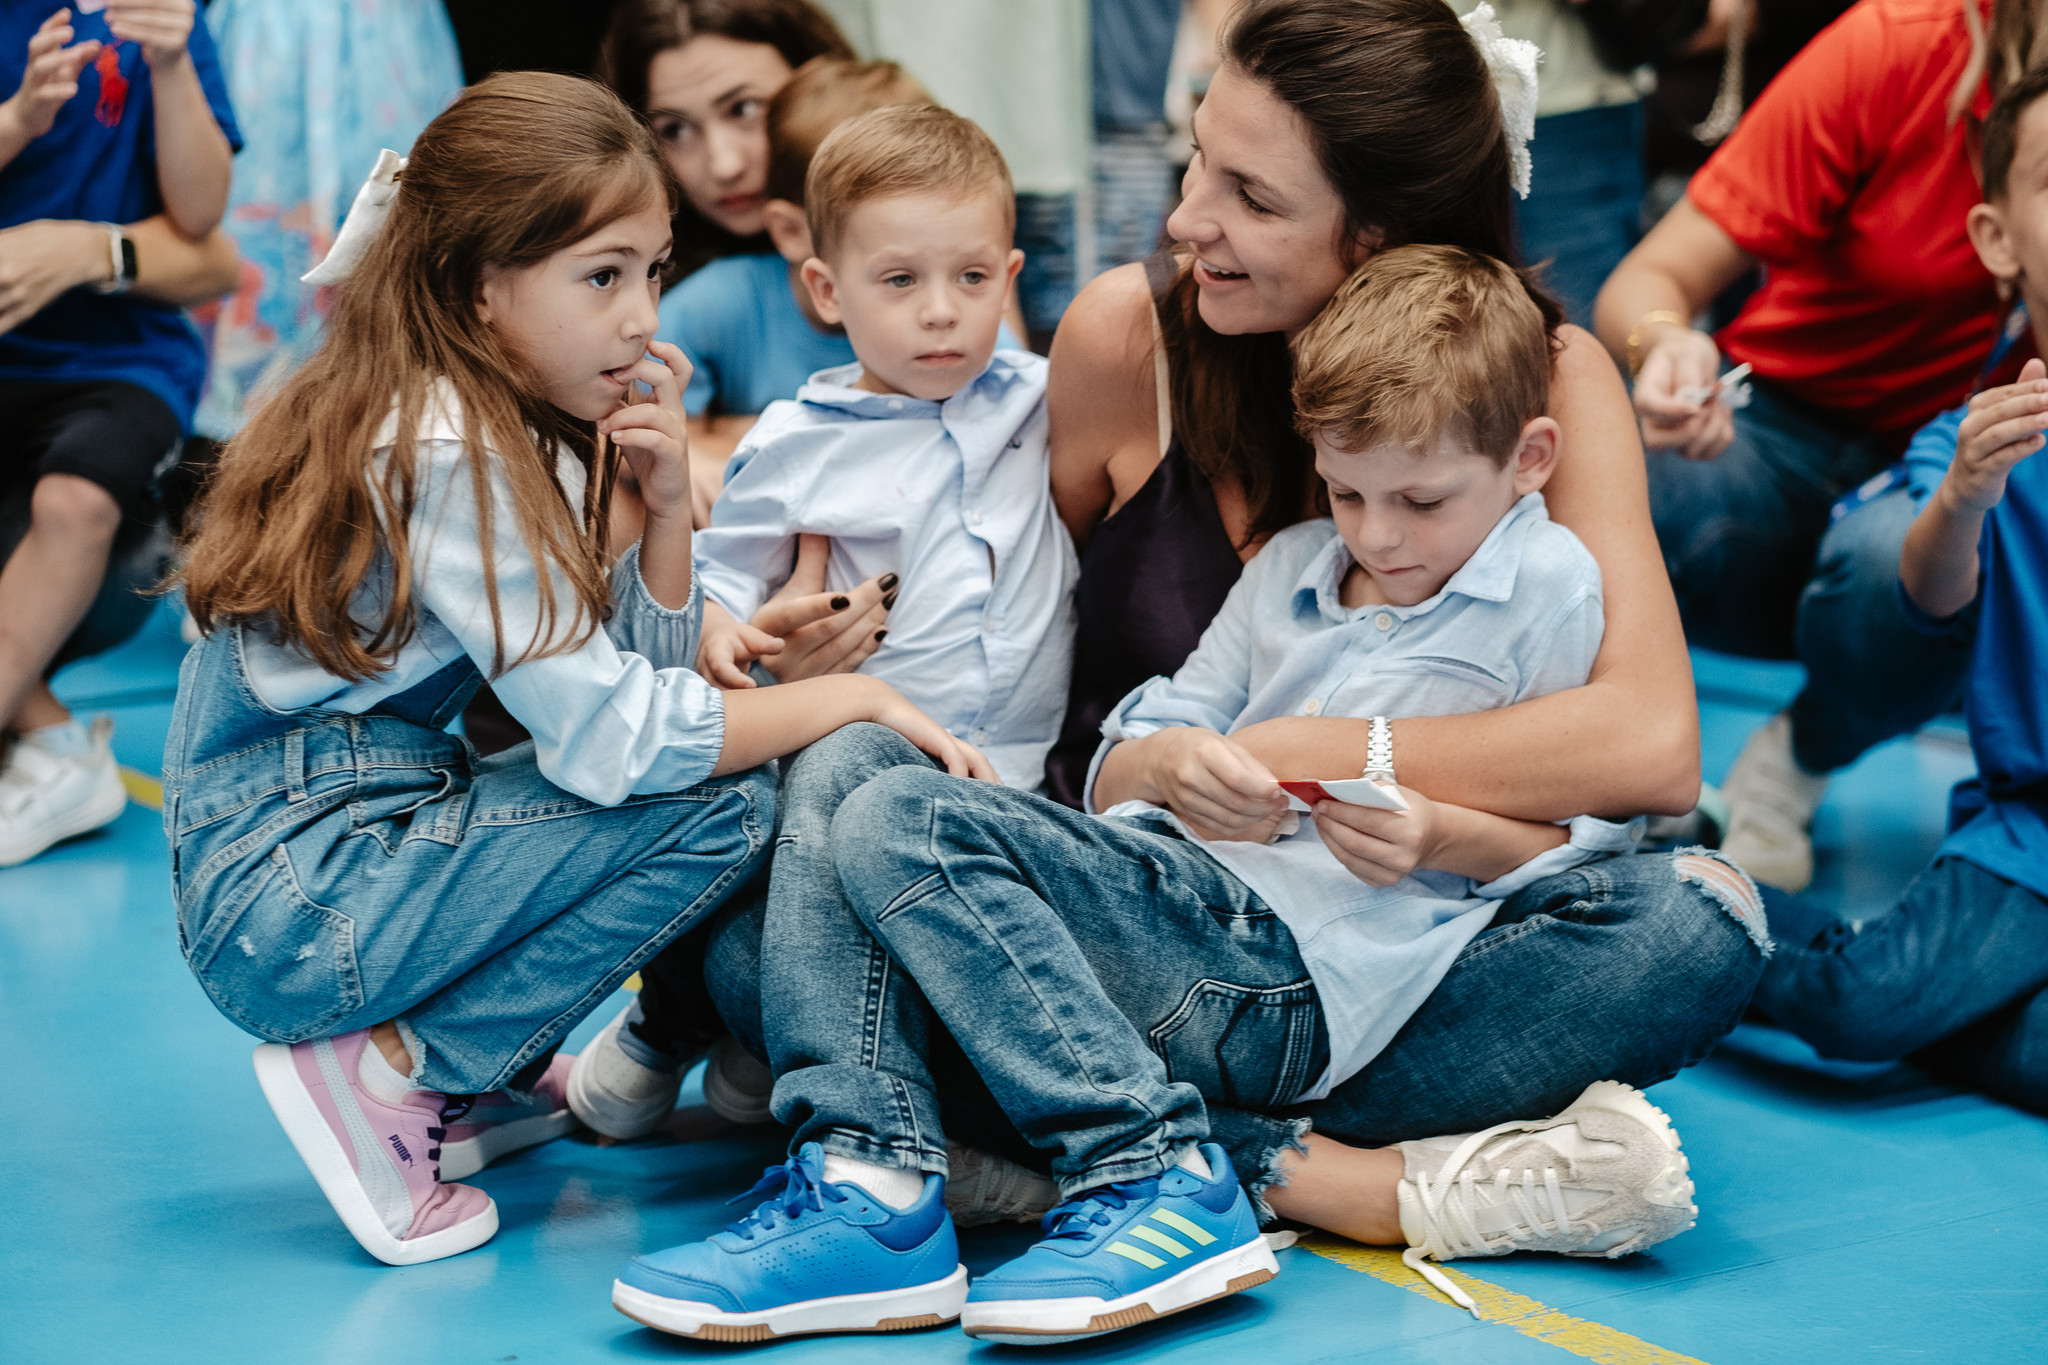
(889, 581)
(841, 603)
(889, 600)
(881, 635)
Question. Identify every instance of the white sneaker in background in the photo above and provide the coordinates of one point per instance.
(617, 1096)
(60, 781)
(1771, 801)
(737, 1087)
(1604, 1178)
(983, 1188)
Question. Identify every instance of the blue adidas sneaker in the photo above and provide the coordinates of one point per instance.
(813, 1257)
(1125, 1254)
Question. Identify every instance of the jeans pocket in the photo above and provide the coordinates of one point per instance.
(1245, 1046)
(276, 963)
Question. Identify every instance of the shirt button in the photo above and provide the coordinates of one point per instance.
(974, 517)
(1383, 621)
(981, 736)
(1311, 706)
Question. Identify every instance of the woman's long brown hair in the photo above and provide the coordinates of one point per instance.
(305, 522)
(1404, 120)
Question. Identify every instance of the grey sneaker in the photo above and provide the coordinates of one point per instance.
(1771, 801)
(617, 1096)
(982, 1188)
(736, 1086)
(1604, 1178)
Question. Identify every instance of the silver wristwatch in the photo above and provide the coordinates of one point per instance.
(1379, 751)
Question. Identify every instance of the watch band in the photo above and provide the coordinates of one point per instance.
(120, 259)
(1379, 750)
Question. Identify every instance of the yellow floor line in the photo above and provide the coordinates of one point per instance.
(1502, 1307)
(143, 789)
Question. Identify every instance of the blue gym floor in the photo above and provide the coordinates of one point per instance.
(151, 1211)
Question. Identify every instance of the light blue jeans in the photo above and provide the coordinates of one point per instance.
(333, 871)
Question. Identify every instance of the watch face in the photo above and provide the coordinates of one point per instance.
(127, 259)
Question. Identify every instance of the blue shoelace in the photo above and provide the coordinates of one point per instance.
(796, 1186)
(1081, 1216)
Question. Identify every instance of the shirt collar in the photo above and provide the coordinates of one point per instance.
(1488, 576)
(834, 388)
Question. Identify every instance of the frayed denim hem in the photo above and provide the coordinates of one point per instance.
(875, 1153)
(1270, 1176)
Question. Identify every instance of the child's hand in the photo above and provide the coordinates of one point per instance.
(51, 77)
(727, 647)
(961, 758)
(1217, 789)
(161, 28)
(2003, 427)
(1379, 847)
(654, 435)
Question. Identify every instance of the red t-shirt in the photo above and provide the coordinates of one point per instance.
(1848, 181)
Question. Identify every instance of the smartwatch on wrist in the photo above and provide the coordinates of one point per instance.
(120, 259)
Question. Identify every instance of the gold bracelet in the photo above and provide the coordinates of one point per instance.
(1650, 319)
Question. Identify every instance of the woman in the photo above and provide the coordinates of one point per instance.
(1513, 1030)
(1850, 178)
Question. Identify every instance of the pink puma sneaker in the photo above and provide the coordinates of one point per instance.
(500, 1123)
(377, 1163)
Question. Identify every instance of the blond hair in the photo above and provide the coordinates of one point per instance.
(303, 515)
(1424, 341)
(902, 149)
(824, 93)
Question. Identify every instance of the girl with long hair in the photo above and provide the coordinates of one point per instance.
(424, 505)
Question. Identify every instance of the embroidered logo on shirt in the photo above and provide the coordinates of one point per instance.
(113, 86)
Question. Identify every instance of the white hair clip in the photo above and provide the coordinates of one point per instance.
(1513, 64)
(365, 220)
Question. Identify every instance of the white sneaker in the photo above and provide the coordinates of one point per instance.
(616, 1096)
(1771, 801)
(737, 1087)
(60, 781)
(982, 1188)
(1604, 1178)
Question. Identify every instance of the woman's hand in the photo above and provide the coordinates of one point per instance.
(727, 647)
(2003, 427)
(961, 758)
(1681, 358)
(1379, 847)
(823, 632)
(1217, 789)
(654, 435)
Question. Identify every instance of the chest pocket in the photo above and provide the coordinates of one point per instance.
(1423, 686)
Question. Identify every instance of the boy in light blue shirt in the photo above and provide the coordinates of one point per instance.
(925, 459)
(1440, 587)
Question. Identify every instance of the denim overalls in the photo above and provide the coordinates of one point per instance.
(332, 871)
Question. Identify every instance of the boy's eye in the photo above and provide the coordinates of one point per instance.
(1429, 506)
(654, 271)
(1345, 497)
(899, 280)
(972, 277)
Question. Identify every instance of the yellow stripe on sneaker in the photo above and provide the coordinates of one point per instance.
(1183, 1226)
(1161, 1240)
(1131, 1253)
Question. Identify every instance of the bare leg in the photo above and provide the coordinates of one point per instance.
(47, 585)
(1350, 1191)
(388, 1041)
(39, 708)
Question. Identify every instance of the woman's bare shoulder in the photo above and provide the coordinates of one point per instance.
(1101, 397)
(1108, 326)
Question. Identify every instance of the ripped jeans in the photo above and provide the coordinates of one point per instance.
(1128, 1012)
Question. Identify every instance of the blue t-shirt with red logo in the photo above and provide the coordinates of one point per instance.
(98, 162)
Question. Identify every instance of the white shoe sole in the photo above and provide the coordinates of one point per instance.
(1046, 1322)
(617, 1117)
(1671, 1187)
(894, 1310)
(324, 1156)
(461, 1160)
(104, 809)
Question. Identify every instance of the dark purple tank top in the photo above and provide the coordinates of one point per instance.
(1154, 574)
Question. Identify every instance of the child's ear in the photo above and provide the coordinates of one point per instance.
(789, 229)
(1536, 456)
(824, 291)
(1992, 237)
(1016, 264)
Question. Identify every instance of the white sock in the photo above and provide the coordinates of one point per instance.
(380, 1079)
(892, 1185)
(1193, 1159)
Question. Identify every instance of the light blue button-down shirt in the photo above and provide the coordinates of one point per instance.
(955, 498)
(620, 716)
(1520, 619)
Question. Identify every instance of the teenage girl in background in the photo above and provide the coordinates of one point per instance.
(413, 926)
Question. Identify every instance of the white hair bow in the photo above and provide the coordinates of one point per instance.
(364, 221)
(1512, 61)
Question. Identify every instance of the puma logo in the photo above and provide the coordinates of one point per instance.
(398, 1145)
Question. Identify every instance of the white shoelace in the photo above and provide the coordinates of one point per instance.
(1449, 1210)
